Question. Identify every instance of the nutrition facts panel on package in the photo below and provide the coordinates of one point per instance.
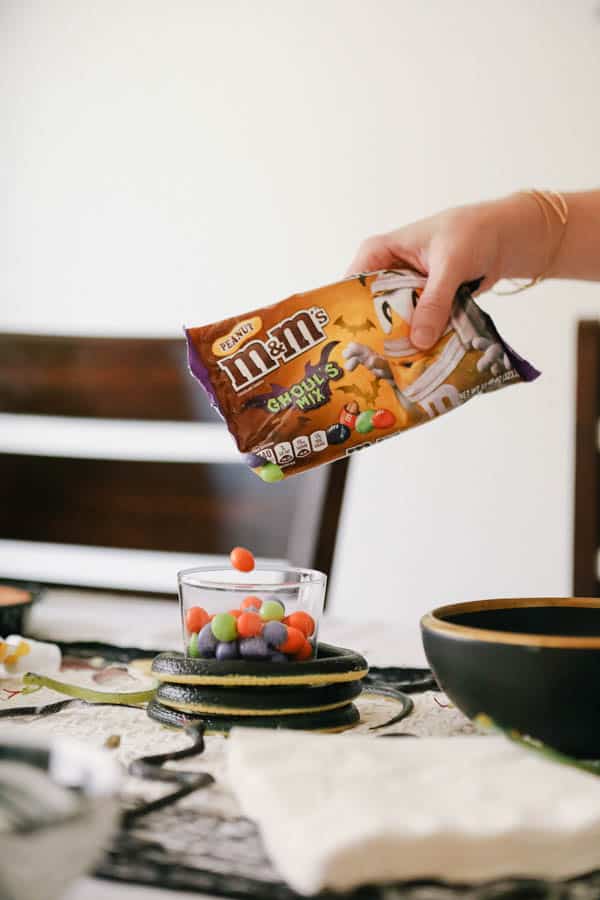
(286, 452)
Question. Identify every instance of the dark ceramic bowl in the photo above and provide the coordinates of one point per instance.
(530, 664)
(14, 616)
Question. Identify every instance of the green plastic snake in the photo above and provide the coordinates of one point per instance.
(125, 698)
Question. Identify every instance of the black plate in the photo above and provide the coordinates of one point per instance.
(255, 701)
(532, 665)
(13, 618)
(330, 720)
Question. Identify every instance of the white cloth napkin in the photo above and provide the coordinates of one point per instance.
(336, 813)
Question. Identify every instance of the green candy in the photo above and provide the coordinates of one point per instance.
(270, 473)
(364, 422)
(272, 611)
(224, 627)
(193, 646)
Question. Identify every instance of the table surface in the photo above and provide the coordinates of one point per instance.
(71, 615)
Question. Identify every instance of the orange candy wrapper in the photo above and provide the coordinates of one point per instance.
(326, 373)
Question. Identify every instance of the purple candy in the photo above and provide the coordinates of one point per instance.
(207, 642)
(278, 657)
(275, 633)
(255, 461)
(254, 648)
(227, 650)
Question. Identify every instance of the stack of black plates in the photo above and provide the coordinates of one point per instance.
(315, 695)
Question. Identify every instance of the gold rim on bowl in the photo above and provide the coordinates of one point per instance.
(435, 621)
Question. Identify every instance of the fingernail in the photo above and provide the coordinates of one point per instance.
(423, 336)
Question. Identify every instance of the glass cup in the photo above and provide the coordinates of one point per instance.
(267, 615)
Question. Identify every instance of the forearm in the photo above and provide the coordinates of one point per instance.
(529, 248)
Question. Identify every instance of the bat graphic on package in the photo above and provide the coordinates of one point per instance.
(354, 329)
(369, 396)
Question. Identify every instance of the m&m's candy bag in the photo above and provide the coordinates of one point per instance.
(323, 374)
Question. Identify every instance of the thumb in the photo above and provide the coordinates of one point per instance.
(434, 307)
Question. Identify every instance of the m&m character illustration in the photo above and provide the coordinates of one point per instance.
(349, 413)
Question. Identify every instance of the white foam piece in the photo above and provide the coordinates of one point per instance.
(459, 809)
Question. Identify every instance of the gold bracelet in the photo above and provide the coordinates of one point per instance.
(559, 206)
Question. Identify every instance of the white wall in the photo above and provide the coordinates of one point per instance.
(171, 162)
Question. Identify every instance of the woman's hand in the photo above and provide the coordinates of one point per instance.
(455, 246)
(506, 238)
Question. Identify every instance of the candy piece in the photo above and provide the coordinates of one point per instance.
(295, 640)
(271, 473)
(364, 423)
(193, 649)
(224, 627)
(207, 642)
(24, 655)
(242, 559)
(254, 648)
(254, 602)
(348, 414)
(249, 625)
(383, 418)
(196, 618)
(272, 609)
(302, 621)
(236, 613)
(227, 650)
(305, 651)
(275, 633)
(278, 657)
(255, 461)
(338, 433)
(17, 648)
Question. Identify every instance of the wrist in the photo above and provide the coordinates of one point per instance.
(523, 236)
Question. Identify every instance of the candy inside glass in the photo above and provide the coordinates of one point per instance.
(266, 615)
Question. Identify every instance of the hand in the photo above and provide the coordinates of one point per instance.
(453, 247)
(360, 355)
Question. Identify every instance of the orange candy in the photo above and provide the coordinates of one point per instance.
(241, 559)
(236, 612)
(302, 621)
(251, 601)
(195, 619)
(294, 642)
(249, 624)
(305, 651)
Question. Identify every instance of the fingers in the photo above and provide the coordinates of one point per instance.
(353, 350)
(494, 358)
(490, 358)
(435, 305)
(374, 253)
(353, 354)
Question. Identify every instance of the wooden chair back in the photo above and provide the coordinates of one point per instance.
(587, 463)
(205, 506)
